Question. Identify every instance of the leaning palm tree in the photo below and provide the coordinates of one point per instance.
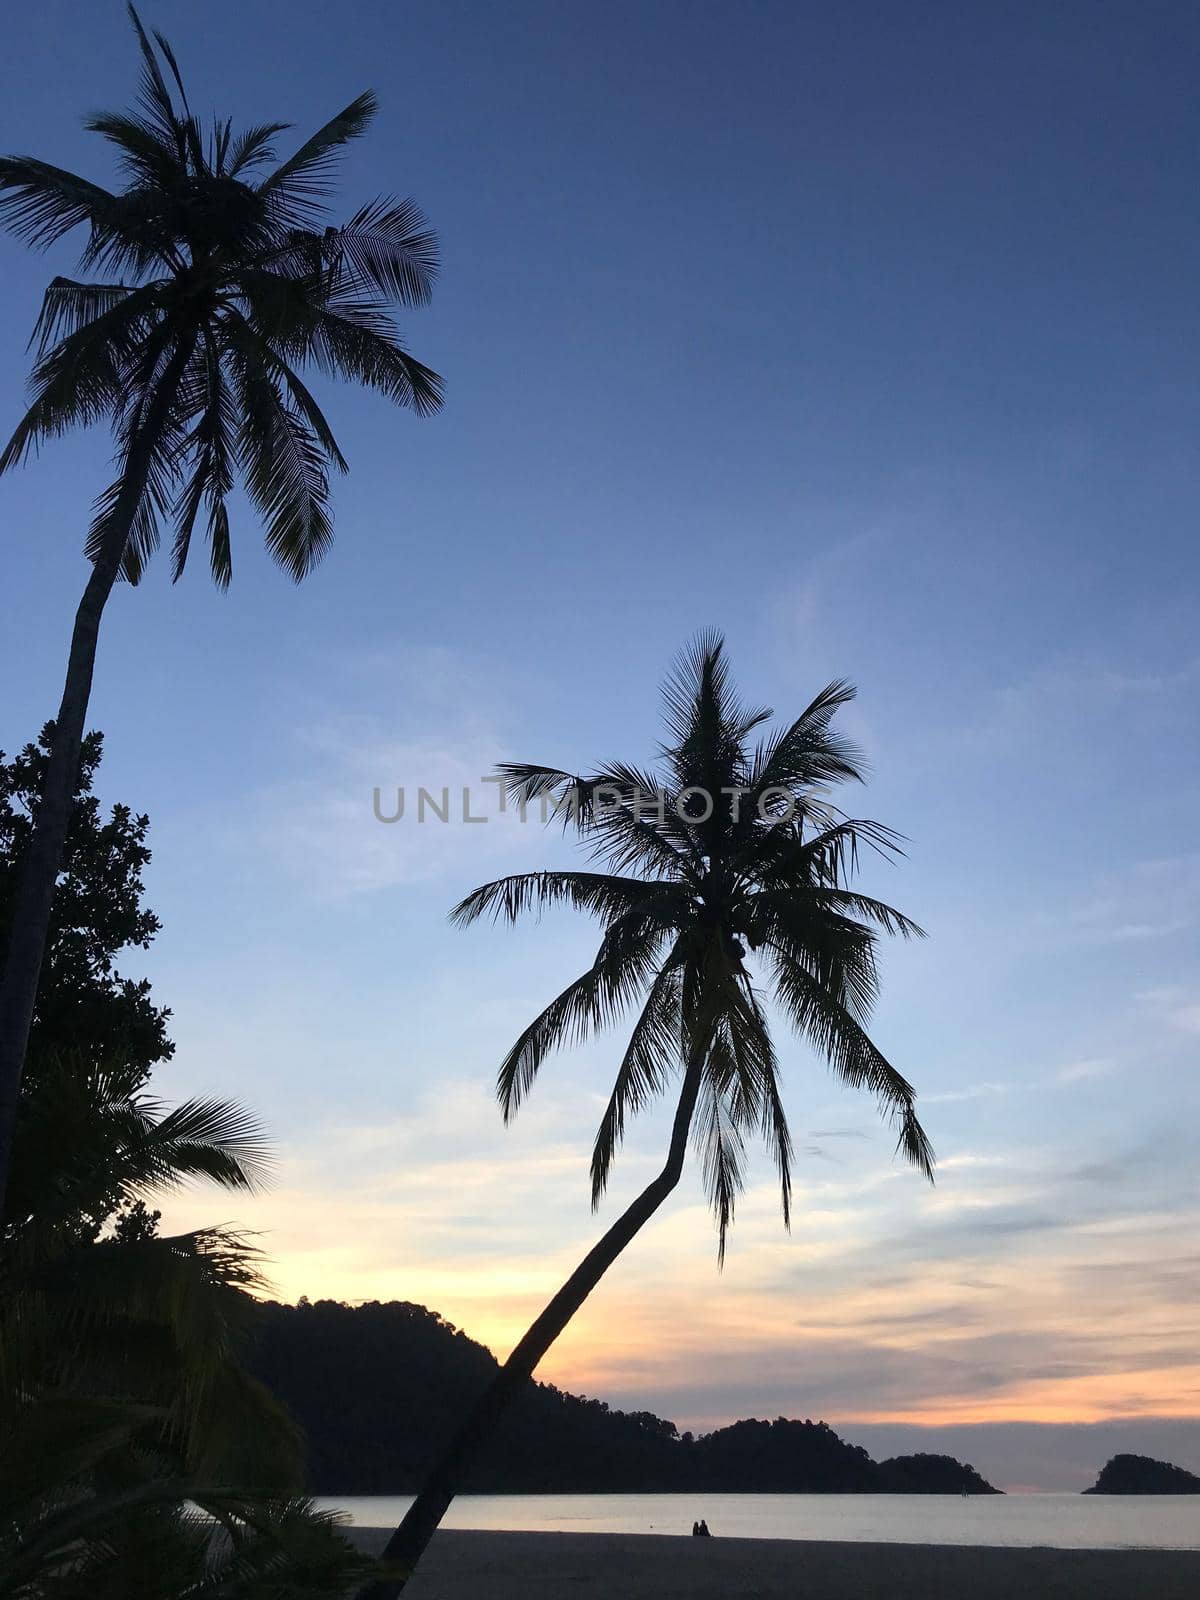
(725, 881)
(221, 281)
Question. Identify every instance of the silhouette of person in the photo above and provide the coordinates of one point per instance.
(702, 1529)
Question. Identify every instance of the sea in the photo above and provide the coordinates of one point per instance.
(1062, 1521)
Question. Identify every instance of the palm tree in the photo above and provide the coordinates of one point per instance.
(123, 1402)
(222, 282)
(97, 1305)
(725, 880)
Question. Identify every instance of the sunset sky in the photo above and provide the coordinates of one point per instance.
(867, 334)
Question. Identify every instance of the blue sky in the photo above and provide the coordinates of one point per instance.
(867, 334)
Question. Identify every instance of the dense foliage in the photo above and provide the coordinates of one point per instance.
(377, 1388)
(83, 1002)
(127, 1416)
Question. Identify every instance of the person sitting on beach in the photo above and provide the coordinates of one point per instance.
(695, 1530)
(702, 1529)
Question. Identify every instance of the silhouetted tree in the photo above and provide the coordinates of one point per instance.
(84, 1006)
(125, 1406)
(730, 854)
(220, 283)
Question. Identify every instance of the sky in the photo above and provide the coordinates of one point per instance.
(866, 334)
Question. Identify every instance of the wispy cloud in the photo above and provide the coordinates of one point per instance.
(1083, 1071)
(373, 802)
(1177, 1007)
(1022, 1287)
(1081, 687)
(970, 1091)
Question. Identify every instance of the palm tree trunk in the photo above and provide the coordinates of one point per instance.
(407, 1545)
(31, 914)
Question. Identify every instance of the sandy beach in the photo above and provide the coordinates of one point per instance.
(548, 1566)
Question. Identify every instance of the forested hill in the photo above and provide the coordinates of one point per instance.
(377, 1387)
(1143, 1475)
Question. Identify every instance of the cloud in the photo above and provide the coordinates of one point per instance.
(1049, 1275)
(1175, 1006)
(1084, 1071)
(973, 1091)
(1017, 1290)
(1084, 688)
(373, 802)
(1143, 901)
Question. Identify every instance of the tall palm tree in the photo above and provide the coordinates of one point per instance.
(222, 281)
(725, 882)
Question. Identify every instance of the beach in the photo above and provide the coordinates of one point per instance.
(463, 1565)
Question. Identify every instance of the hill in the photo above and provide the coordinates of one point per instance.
(377, 1388)
(927, 1474)
(1143, 1475)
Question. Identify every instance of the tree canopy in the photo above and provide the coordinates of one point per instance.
(86, 1007)
(223, 277)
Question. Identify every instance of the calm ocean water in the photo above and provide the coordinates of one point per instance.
(1068, 1521)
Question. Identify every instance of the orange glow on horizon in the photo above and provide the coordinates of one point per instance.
(797, 1318)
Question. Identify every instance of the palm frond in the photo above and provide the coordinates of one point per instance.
(807, 754)
(610, 810)
(152, 450)
(68, 306)
(563, 794)
(836, 951)
(148, 154)
(388, 245)
(846, 903)
(695, 691)
(213, 1139)
(285, 472)
(300, 185)
(756, 1100)
(81, 381)
(654, 1051)
(851, 1054)
(63, 1438)
(153, 92)
(623, 968)
(39, 203)
(346, 335)
(253, 348)
(602, 894)
(630, 807)
(251, 148)
(354, 342)
(785, 856)
(88, 1139)
(719, 1144)
(213, 444)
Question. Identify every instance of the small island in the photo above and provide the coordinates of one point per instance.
(1127, 1474)
(931, 1474)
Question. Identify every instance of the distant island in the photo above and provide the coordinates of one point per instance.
(1143, 1475)
(377, 1387)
